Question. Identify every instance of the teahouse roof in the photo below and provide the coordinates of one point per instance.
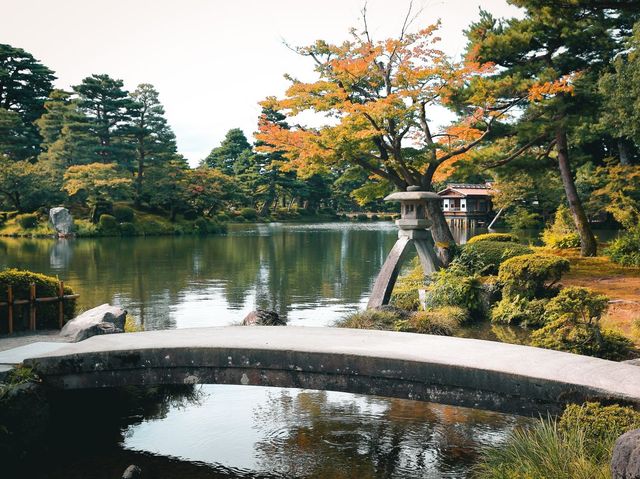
(455, 190)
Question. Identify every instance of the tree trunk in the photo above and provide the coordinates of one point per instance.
(588, 245)
(624, 151)
(441, 233)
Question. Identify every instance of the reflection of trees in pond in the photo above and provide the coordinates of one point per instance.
(316, 434)
(149, 275)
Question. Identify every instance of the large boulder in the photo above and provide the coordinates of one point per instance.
(262, 317)
(625, 462)
(61, 220)
(103, 319)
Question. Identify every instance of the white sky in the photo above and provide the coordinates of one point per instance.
(211, 60)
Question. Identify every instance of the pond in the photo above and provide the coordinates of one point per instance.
(312, 274)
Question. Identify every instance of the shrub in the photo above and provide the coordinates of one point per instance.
(573, 325)
(531, 275)
(361, 217)
(493, 253)
(371, 319)
(405, 291)
(561, 233)
(108, 225)
(27, 220)
(625, 250)
(249, 213)
(444, 321)
(542, 451)
(222, 217)
(503, 237)
(601, 425)
(127, 229)
(46, 286)
(151, 227)
(85, 228)
(215, 227)
(522, 219)
(519, 310)
(123, 214)
(452, 287)
(201, 226)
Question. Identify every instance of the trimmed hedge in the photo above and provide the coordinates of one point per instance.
(493, 253)
(108, 225)
(27, 220)
(46, 286)
(502, 237)
(123, 214)
(531, 275)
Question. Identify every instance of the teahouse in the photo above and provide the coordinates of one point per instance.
(467, 204)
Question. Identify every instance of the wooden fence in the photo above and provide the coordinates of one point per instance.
(33, 302)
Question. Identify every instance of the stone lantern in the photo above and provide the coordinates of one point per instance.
(413, 230)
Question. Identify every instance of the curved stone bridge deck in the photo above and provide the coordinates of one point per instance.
(466, 372)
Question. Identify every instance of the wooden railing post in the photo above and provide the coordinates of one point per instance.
(60, 304)
(32, 306)
(10, 308)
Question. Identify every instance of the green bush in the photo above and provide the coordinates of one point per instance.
(128, 229)
(493, 253)
(561, 233)
(108, 225)
(27, 220)
(625, 250)
(522, 219)
(452, 287)
(190, 215)
(405, 291)
(503, 237)
(531, 275)
(444, 321)
(222, 217)
(46, 286)
(371, 319)
(249, 214)
(601, 425)
(519, 310)
(542, 451)
(361, 217)
(123, 214)
(573, 325)
(85, 228)
(201, 226)
(152, 227)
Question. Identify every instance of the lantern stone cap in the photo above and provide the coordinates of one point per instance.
(412, 196)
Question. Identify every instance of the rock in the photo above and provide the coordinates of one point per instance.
(262, 317)
(103, 319)
(625, 462)
(132, 472)
(61, 220)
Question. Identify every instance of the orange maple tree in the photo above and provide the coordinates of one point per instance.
(372, 104)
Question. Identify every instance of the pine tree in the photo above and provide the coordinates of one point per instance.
(225, 156)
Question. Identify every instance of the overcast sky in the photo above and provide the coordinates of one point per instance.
(211, 60)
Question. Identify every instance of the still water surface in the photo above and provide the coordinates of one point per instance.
(312, 274)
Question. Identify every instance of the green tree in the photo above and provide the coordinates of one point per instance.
(155, 142)
(208, 189)
(235, 147)
(166, 185)
(108, 106)
(548, 62)
(620, 89)
(25, 186)
(95, 183)
(24, 86)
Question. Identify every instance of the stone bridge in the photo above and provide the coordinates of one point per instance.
(465, 372)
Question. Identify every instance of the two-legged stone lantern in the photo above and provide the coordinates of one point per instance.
(413, 226)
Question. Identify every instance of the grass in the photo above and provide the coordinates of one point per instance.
(542, 451)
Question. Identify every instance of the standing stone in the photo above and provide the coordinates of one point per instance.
(132, 472)
(262, 317)
(103, 319)
(625, 462)
(61, 220)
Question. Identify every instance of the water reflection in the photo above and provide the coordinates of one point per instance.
(318, 434)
